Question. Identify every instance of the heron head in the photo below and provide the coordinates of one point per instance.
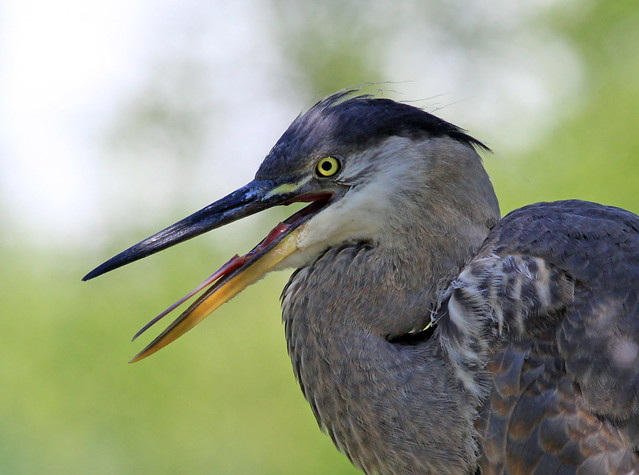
(364, 165)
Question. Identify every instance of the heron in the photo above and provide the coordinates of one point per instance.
(428, 333)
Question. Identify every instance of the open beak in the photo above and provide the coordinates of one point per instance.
(240, 271)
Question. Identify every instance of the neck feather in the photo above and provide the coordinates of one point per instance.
(390, 408)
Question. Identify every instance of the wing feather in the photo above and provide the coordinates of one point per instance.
(557, 287)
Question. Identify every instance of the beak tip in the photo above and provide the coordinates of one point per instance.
(101, 269)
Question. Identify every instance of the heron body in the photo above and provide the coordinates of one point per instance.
(427, 334)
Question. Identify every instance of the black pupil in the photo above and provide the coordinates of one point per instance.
(326, 166)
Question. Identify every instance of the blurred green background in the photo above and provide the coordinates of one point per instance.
(551, 86)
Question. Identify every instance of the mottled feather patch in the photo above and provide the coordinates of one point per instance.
(492, 296)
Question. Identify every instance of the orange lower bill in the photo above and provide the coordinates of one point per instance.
(217, 295)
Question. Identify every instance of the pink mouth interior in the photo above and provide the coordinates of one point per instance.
(237, 261)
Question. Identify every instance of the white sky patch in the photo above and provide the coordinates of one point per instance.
(65, 69)
(61, 67)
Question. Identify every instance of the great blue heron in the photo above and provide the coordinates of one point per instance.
(428, 335)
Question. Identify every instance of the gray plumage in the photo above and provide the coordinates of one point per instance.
(427, 334)
(528, 331)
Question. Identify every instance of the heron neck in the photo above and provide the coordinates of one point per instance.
(371, 395)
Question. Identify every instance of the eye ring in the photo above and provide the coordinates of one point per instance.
(327, 167)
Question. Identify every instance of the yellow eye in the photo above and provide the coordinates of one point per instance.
(328, 166)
